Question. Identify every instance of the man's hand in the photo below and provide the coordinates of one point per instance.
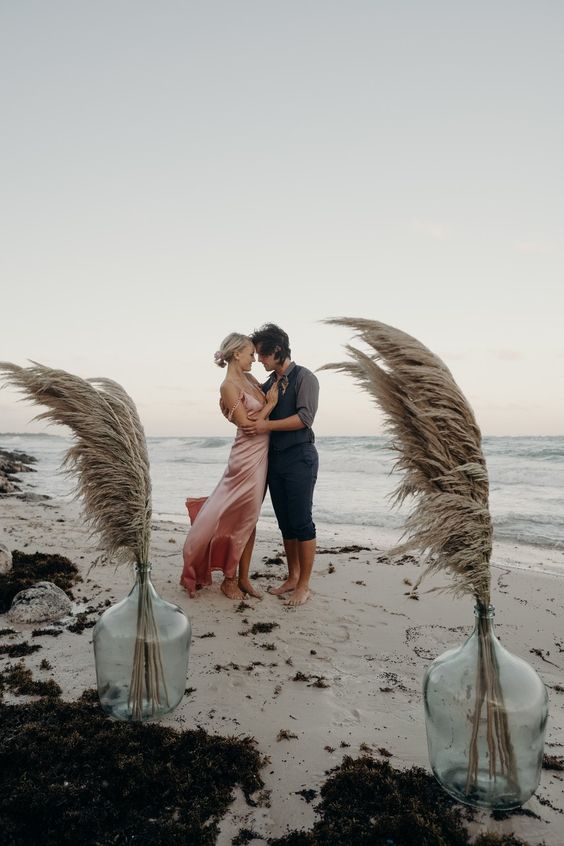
(256, 427)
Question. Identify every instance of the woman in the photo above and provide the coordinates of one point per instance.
(223, 531)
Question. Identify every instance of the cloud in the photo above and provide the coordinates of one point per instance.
(154, 403)
(507, 406)
(453, 355)
(431, 229)
(507, 355)
(533, 247)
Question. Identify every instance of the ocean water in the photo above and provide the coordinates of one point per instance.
(355, 481)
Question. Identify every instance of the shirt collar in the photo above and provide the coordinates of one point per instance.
(287, 371)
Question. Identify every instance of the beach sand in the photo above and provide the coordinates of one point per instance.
(360, 647)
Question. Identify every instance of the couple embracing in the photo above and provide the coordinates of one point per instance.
(274, 447)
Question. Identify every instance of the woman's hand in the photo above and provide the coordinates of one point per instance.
(272, 395)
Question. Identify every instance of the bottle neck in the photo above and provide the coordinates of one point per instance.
(142, 572)
(484, 612)
(484, 622)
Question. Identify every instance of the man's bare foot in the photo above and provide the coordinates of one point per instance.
(285, 587)
(231, 590)
(298, 597)
(247, 588)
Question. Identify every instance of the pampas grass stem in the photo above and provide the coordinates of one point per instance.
(148, 683)
(490, 693)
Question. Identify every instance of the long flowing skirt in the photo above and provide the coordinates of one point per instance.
(223, 522)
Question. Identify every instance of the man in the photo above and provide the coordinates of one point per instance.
(292, 459)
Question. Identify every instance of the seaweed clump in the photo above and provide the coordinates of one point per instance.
(263, 628)
(18, 650)
(84, 778)
(27, 570)
(19, 680)
(369, 803)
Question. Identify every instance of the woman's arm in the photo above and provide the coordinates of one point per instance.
(271, 397)
(271, 400)
(233, 408)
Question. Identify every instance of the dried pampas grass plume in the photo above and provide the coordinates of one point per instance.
(438, 442)
(110, 461)
(109, 456)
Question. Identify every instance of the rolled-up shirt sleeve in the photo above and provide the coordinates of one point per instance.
(307, 396)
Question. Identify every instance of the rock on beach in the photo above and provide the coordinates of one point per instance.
(5, 559)
(42, 602)
(13, 462)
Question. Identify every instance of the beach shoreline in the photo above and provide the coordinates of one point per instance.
(339, 676)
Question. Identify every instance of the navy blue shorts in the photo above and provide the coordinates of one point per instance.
(292, 475)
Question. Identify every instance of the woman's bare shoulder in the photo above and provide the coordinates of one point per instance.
(229, 388)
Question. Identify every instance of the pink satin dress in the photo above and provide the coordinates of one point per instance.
(223, 523)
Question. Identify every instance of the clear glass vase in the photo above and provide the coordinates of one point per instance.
(141, 648)
(485, 714)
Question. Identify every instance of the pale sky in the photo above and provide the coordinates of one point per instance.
(174, 171)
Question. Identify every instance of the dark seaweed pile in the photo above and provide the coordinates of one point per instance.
(69, 774)
(367, 802)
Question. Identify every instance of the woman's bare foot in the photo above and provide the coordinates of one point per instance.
(191, 593)
(285, 587)
(231, 590)
(247, 588)
(298, 597)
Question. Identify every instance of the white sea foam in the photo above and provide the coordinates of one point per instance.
(355, 481)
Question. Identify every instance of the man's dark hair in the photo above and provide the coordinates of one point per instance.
(272, 339)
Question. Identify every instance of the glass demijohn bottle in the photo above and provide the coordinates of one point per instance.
(141, 649)
(485, 713)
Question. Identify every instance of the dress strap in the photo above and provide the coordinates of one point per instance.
(234, 409)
